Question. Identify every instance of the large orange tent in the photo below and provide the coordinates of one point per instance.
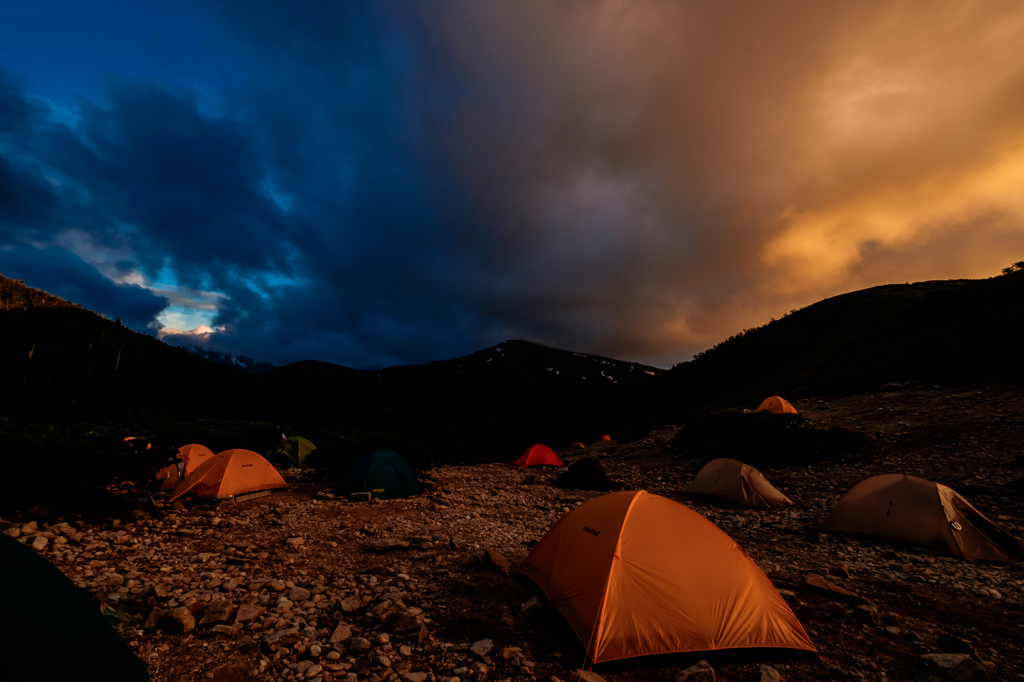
(736, 482)
(229, 473)
(193, 455)
(776, 405)
(923, 513)
(638, 574)
(538, 455)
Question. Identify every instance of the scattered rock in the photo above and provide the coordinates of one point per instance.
(482, 647)
(178, 620)
(497, 561)
(769, 674)
(532, 611)
(702, 672)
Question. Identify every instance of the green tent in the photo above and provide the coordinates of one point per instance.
(294, 448)
(382, 473)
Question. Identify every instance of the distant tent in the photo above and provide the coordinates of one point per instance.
(776, 405)
(230, 473)
(736, 482)
(538, 455)
(295, 448)
(168, 477)
(382, 473)
(606, 438)
(193, 455)
(43, 609)
(637, 574)
(578, 446)
(585, 474)
(923, 513)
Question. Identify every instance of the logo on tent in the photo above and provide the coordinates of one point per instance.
(593, 532)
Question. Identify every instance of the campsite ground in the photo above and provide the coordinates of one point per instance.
(343, 570)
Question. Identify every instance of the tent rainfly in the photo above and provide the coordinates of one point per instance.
(538, 455)
(776, 405)
(637, 574)
(736, 482)
(193, 455)
(45, 607)
(230, 473)
(924, 513)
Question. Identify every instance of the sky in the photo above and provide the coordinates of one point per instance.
(383, 183)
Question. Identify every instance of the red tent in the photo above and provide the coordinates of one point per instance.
(538, 455)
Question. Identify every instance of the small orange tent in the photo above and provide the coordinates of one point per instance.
(736, 482)
(923, 513)
(168, 477)
(638, 574)
(193, 455)
(538, 455)
(232, 472)
(776, 405)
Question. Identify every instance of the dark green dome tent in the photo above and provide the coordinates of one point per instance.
(383, 473)
(44, 610)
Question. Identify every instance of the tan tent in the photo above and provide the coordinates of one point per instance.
(193, 455)
(923, 513)
(637, 574)
(229, 473)
(776, 405)
(736, 482)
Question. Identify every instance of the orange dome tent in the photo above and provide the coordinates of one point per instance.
(193, 455)
(538, 455)
(923, 513)
(736, 482)
(638, 574)
(229, 473)
(776, 405)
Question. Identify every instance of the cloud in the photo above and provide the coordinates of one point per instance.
(404, 182)
(64, 274)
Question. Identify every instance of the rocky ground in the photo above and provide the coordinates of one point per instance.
(299, 586)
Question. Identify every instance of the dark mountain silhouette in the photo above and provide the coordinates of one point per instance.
(490, 404)
(937, 331)
(62, 361)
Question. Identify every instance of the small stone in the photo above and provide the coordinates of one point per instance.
(498, 561)
(419, 677)
(944, 661)
(586, 676)
(867, 614)
(350, 604)
(769, 674)
(359, 645)
(382, 661)
(340, 634)
(482, 647)
(298, 594)
(389, 545)
(295, 542)
(459, 543)
(817, 584)
(968, 670)
(179, 620)
(248, 613)
(30, 527)
(282, 637)
(217, 612)
(532, 610)
(38, 543)
(702, 672)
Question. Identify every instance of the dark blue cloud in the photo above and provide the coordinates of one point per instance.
(64, 274)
